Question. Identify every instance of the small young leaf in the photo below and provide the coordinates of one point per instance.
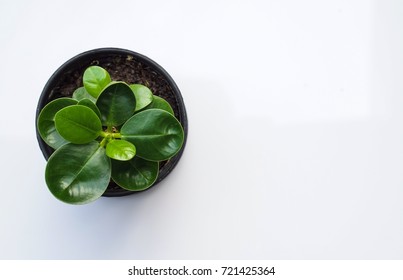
(46, 122)
(160, 103)
(157, 134)
(143, 95)
(120, 150)
(78, 174)
(88, 103)
(80, 94)
(136, 174)
(116, 104)
(95, 79)
(78, 124)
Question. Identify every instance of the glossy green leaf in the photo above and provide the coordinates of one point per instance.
(116, 104)
(78, 124)
(46, 122)
(160, 103)
(157, 134)
(95, 79)
(88, 103)
(78, 174)
(136, 174)
(143, 95)
(80, 94)
(120, 150)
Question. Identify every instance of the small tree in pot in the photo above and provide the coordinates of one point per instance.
(108, 130)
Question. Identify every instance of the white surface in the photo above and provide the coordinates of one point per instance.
(295, 147)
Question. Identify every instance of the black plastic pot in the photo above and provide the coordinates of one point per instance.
(125, 65)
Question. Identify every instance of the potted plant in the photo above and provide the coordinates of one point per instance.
(111, 122)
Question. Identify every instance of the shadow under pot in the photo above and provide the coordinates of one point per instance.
(122, 65)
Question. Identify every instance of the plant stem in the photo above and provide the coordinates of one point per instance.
(116, 135)
(110, 135)
(103, 134)
(103, 142)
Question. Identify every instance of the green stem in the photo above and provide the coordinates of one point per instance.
(103, 142)
(116, 135)
(103, 134)
(110, 135)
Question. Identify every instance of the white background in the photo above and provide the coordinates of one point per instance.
(295, 147)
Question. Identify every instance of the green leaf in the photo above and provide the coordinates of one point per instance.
(116, 104)
(78, 174)
(88, 103)
(143, 95)
(78, 124)
(157, 134)
(95, 79)
(80, 94)
(160, 103)
(136, 174)
(46, 122)
(120, 150)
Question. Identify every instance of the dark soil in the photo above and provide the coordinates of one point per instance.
(121, 68)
